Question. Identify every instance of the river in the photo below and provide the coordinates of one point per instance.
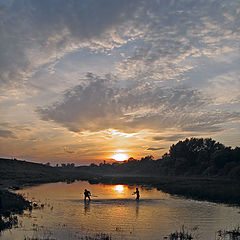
(114, 211)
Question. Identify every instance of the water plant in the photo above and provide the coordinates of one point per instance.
(233, 234)
(181, 235)
(184, 234)
(7, 222)
(100, 236)
(10, 204)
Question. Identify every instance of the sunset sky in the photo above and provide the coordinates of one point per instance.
(82, 80)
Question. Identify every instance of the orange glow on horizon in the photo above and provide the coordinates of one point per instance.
(120, 157)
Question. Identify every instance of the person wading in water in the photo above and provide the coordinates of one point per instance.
(137, 193)
(87, 194)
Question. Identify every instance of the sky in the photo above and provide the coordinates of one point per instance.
(82, 80)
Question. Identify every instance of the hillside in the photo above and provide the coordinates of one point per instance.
(15, 173)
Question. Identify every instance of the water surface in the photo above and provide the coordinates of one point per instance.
(113, 210)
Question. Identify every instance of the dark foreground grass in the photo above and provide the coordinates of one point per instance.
(229, 234)
(184, 234)
(11, 204)
(100, 236)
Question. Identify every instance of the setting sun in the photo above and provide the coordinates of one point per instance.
(120, 157)
(119, 188)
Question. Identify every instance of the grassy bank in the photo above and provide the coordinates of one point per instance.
(16, 174)
(10, 204)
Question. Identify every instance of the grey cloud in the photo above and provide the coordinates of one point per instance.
(169, 138)
(6, 134)
(211, 121)
(102, 105)
(155, 149)
(34, 33)
(176, 30)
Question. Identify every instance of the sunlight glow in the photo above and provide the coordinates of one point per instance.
(120, 157)
(119, 188)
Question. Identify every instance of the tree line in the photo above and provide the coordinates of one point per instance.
(191, 157)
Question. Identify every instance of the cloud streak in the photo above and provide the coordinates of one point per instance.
(155, 148)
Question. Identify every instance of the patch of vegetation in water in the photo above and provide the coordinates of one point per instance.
(233, 234)
(100, 236)
(184, 234)
(10, 204)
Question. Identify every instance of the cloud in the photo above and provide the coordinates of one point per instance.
(102, 104)
(6, 134)
(177, 34)
(36, 33)
(155, 148)
(169, 138)
(161, 35)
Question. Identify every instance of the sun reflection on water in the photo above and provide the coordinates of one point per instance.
(119, 188)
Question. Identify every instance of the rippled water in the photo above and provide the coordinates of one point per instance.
(113, 210)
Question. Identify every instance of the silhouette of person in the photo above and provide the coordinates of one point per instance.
(87, 194)
(137, 193)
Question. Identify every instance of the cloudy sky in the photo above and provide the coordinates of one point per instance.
(83, 79)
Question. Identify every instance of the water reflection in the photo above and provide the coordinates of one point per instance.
(137, 209)
(86, 207)
(119, 188)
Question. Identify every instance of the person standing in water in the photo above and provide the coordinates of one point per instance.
(87, 194)
(137, 193)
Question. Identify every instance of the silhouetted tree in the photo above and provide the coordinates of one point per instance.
(191, 157)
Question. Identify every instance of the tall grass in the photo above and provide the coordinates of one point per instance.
(229, 234)
(183, 234)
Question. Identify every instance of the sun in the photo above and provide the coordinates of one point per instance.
(118, 188)
(120, 157)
